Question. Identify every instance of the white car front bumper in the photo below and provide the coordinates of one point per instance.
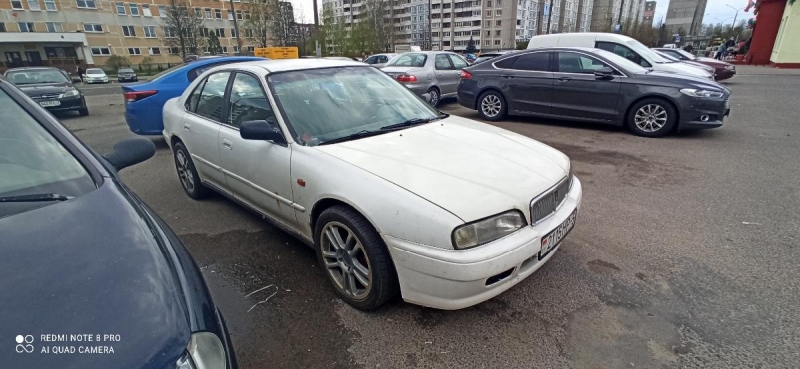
(455, 279)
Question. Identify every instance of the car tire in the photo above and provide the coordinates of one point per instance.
(357, 262)
(436, 96)
(652, 117)
(187, 174)
(492, 106)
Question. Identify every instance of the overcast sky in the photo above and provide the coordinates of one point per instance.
(717, 10)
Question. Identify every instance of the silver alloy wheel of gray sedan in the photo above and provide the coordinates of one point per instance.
(651, 117)
(346, 260)
(491, 105)
(184, 171)
(434, 96)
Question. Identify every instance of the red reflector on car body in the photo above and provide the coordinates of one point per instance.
(133, 96)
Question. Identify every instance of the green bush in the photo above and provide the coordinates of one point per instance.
(118, 61)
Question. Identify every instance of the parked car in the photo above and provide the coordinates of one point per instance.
(51, 88)
(144, 101)
(673, 59)
(95, 75)
(390, 192)
(623, 46)
(379, 60)
(432, 72)
(491, 55)
(723, 70)
(592, 85)
(127, 75)
(83, 254)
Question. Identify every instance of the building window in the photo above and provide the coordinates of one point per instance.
(101, 51)
(50, 5)
(247, 14)
(497, 33)
(239, 15)
(54, 27)
(154, 51)
(134, 9)
(121, 9)
(496, 42)
(233, 32)
(498, 12)
(134, 51)
(498, 23)
(236, 48)
(26, 27)
(162, 11)
(146, 10)
(198, 13)
(2, 27)
(207, 12)
(248, 33)
(224, 49)
(34, 5)
(487, 43)
(150, 32)
(218, 13)
(168, 32)
(173, 50)
(86, 4)
(488, 14)
(16, 5)
(92, 27)
(230, 15)
(220, 32)
(128, 31)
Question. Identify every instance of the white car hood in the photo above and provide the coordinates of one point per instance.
(470, 169)
(682, 68)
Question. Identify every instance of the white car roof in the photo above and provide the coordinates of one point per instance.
(283, 65)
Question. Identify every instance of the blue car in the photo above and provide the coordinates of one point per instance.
(144, 101)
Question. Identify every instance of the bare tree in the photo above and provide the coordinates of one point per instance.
(259, 24)
(283, 24)
(183, 28)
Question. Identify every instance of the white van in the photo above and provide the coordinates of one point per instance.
(621, 45)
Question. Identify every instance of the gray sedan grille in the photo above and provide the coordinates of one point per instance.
(45, 96)
(547, 203)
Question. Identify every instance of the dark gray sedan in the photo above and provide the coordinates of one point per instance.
(592, 85)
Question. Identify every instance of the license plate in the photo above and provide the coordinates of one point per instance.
(49, 103)
(552, 239)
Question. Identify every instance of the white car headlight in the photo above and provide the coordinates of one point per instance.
(702, 93)
(70, 93)
(203, 352)
(730, 67)
(487, 230)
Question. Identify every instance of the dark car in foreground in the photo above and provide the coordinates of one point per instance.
(92, 277)
(144, 101)
(592, 85)
(127, 75)
(49, 87)
(723, 70)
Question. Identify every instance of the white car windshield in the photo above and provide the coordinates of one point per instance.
(34, 76)
(95, 71)
(408, 60)
(646, 53)
(327, 104)
(686, 54)
(621, 62)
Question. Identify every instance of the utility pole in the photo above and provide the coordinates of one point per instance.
(236, 27)
(619, 20)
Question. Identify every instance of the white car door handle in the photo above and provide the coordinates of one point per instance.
(226, 143)
(186, 126)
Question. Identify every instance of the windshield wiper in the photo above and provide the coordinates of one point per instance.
(36, 198)
(413, 122)
(353, 136)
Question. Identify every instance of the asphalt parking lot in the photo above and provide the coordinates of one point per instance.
(684, 255)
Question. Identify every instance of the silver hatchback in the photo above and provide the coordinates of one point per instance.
(434, 72)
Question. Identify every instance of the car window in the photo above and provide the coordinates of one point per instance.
(125, 70)
(211, 99)
(624, 52)
(196, 72)
(371, 60)
(329, 103)
(578, 63)
(191, 102)
(248, 101)
(441, 62)
(506, 63)
(621, 62)
(458, 62)
(33, 76)
(95, 71)
(408, 60)
(33, 162)
(383, 59)
(539, 62)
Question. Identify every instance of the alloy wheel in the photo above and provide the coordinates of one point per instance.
(651, 117)
(491, 106)
(346, 260)
(434, 97)
(184, 171)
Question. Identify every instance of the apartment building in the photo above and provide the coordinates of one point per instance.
(685, 17)
(608, 13)
(66, 33)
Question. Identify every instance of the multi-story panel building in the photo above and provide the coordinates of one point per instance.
(86, 32)
(608, 13)
(420, 30)
(685, 17)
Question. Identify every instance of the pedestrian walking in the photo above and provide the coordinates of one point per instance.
(721, 51)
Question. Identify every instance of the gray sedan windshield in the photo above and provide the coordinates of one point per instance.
(320, 105)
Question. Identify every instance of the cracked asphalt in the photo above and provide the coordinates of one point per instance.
(684, 255)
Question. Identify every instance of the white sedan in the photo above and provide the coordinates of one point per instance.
(95, 75)
(392, 194)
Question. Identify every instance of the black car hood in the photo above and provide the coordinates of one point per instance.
(89, 265)
(680, 79)
(45, 88)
